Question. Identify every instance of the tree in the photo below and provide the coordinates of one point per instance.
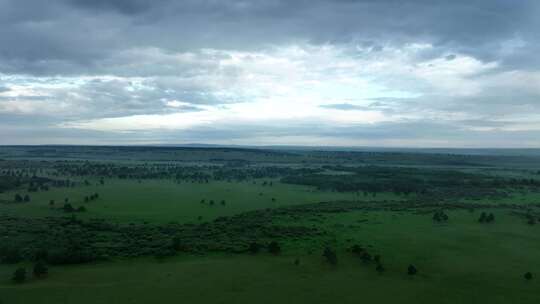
(68, 207)
(26, 198)
(357, 249)
(223, 202)
(482, 218)
(51, 203)
(178, 245)
(380, 268)
(254, 247)
(19, 276)
(366, 257)
(528, 276)
(411, 270)
(490, 218)
(330, 256)
(274, 248)
(40, 269)
(18, 198)
(81, 209)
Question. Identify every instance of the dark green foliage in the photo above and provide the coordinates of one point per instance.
(67, 255)
(68, 208)
(40, 269)
(482, 218)
(380, 268)
(357, 249)
(365, 257)
(18, 198)
(19, 276)
(528, 276)
(296, 262)
(178, 245)
(10, 254)
(26, 198)
(254, 247)
(274, 248)
(330, 255)
(411, 270)
(440, 216)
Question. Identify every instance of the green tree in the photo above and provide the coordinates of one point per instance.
(40, 269)
(254, 247)
(68, 207)
(330, 256)
(274, 248)
(411, 270)
(528, 276)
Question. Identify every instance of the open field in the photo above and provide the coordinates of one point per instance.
(223, 230)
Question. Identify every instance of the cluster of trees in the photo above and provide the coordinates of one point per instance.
(440, 216)
(273, 247)
(40, 270)
(91, 197)
(68, 208)
(366, 257)
(486, 218)
(405, 181)
(19, 198)
(212, 202)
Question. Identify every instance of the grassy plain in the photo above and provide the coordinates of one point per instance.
(459, 260)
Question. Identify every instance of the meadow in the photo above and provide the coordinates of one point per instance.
(292, 231)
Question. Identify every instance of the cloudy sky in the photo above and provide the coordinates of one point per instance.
(421, 73)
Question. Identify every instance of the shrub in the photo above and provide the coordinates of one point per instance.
(274, 247)
(19, 276)
(330, 256)
(411, 270)
(40, 269)
(254, 247)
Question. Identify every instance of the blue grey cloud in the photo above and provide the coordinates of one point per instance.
(430, 72)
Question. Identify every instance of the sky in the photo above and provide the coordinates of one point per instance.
(389, 73)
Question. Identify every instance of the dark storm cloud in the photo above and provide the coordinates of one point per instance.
(74, 36)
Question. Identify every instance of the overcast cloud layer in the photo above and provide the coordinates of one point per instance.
(421, 73)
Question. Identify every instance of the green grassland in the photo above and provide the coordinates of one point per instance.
(156, 242)
(166, 201)
(459, 262)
